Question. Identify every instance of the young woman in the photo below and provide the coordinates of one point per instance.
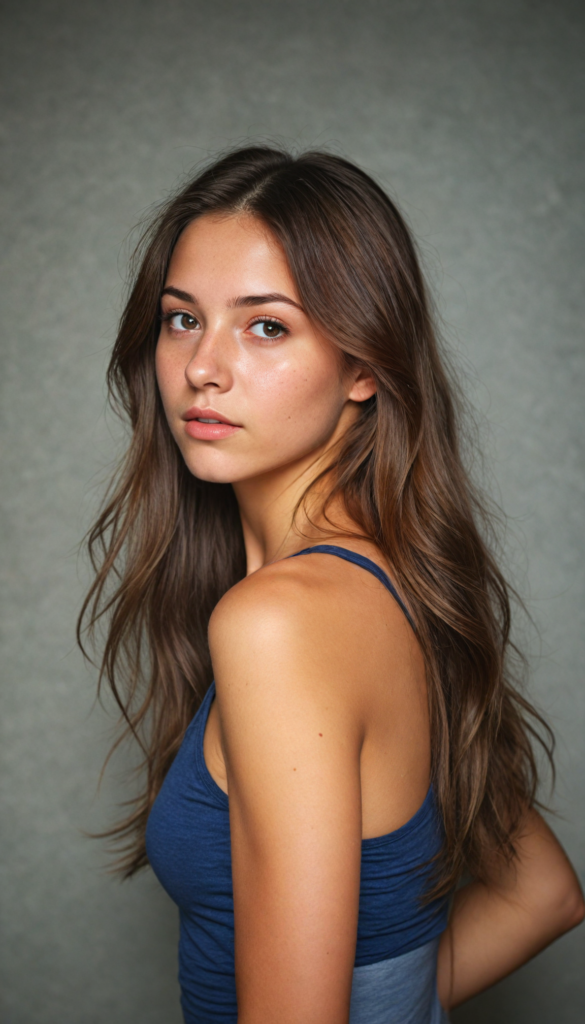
(293, 521)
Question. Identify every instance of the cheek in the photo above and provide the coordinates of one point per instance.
(166, 373)
(300, 398)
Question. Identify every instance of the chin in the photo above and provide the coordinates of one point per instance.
(211, 474)
(216, 470)
(217, 467)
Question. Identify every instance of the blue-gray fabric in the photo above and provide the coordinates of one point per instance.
(402, 990)
(188, 845)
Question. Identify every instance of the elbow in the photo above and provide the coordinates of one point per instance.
(575, 911)
(569, 909)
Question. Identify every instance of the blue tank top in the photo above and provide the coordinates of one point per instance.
(188, 846)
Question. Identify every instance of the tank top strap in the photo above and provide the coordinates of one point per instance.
(196, 727)
(364, 563)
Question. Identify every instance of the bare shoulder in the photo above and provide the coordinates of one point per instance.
(318, 614)
(282, 614)
(278, 596)
(285, 695)
(315, 650)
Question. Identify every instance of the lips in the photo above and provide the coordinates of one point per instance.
(208, 425)
(207, 415)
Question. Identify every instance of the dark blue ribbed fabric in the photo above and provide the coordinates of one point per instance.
(188, 845)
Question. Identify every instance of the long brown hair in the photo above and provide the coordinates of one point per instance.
(167, 546)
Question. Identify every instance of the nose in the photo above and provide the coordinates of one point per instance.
(210, 364)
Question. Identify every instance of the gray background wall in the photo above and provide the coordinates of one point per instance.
(471, 113)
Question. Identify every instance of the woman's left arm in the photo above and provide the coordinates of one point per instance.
(494, 929)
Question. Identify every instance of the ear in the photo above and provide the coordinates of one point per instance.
(363, 386)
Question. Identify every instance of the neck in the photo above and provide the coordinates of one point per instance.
(267, 509)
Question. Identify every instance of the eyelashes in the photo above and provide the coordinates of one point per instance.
(178, 314)
(270, 325)
(272, 328)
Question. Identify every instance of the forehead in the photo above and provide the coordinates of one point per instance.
(227, 251)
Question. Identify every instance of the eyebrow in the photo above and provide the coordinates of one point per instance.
(242, 300)
(178, 294)
(260, 300)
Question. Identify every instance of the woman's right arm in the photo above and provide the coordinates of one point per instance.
(494, 929)
(291, 745)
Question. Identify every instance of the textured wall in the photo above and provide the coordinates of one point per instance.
(472, 115)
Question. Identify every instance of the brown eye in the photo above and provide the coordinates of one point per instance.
(268, 329)
(182, 322)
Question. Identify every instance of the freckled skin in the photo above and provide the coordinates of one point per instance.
(288, 394)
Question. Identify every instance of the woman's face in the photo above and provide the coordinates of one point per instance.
(236, 347)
